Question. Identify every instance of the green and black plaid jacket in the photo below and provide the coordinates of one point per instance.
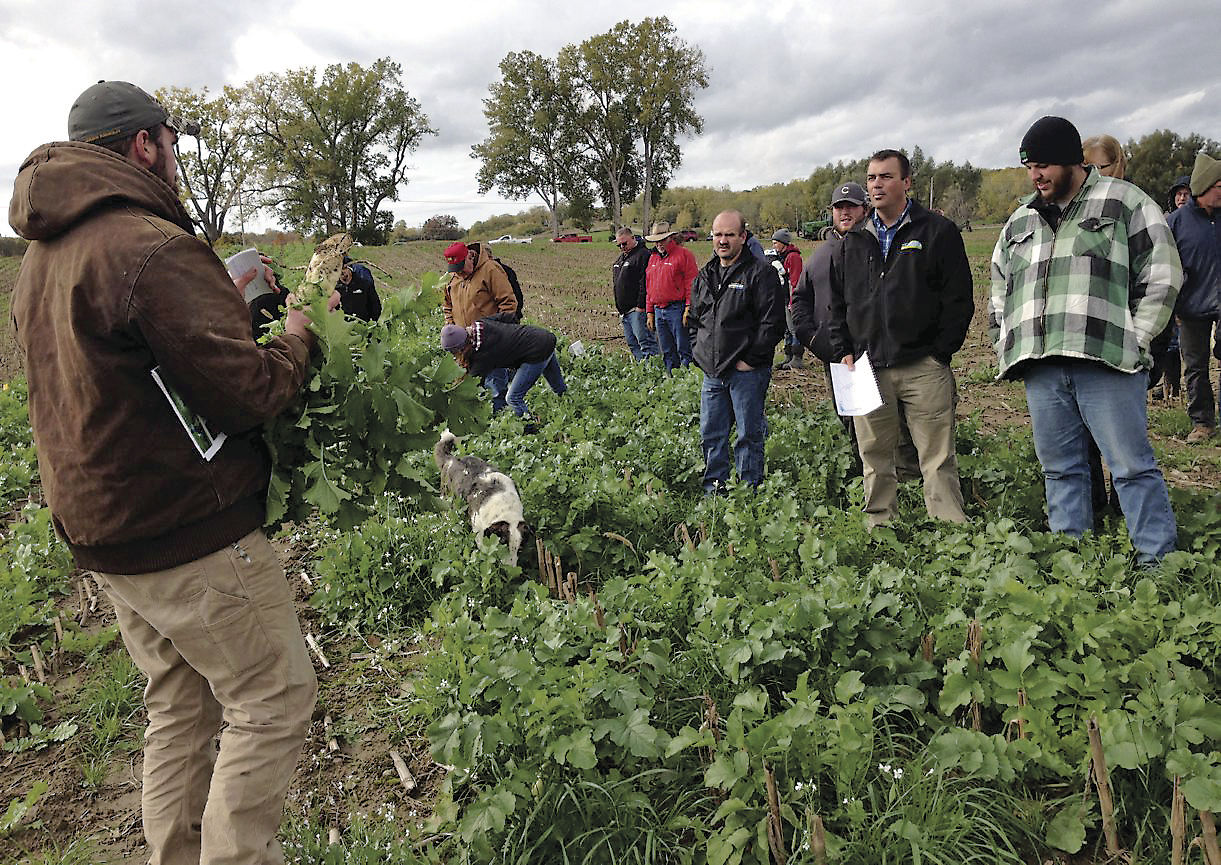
(1100, 287)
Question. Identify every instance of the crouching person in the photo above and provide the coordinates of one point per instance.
(492, 343)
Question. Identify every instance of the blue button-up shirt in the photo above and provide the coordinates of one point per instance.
(887, 233)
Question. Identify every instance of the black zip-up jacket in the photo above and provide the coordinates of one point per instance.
(359, 297)
(628, 277)
(812, 302)
(736, 314)
(917, 303)
(496, 343)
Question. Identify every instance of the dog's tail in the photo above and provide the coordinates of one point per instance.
(444, 451)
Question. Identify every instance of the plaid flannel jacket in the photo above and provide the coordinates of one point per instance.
(1100, 287)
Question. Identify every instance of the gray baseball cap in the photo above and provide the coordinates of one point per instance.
(849, 191)
(783, 235)
(112, 110)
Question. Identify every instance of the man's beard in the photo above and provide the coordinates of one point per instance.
(160, 167)
(1059, 188)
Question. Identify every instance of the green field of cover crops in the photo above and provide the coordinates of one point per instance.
(665, 677)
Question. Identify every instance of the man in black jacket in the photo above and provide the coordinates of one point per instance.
(901, 292)
(736, 318)
(357, 293)
(628, 276)
(811, 315)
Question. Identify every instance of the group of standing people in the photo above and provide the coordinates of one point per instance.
(893, 282)
(1084, 276)
(725, 317)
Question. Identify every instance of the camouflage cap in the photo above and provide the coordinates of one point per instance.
(111, 110)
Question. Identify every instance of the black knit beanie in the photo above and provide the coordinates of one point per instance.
(1052, 141)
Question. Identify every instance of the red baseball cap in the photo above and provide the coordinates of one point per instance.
(456, 254)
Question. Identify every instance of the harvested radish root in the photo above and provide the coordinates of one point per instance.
(323, 269)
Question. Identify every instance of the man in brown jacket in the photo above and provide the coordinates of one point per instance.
(479, 288)
(113, 288)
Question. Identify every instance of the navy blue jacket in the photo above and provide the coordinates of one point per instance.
(1198, 236)
(495, 343)
(359, 297)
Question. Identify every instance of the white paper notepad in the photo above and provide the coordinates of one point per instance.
(856, 389)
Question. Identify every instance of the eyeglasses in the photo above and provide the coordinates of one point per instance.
(621, 243)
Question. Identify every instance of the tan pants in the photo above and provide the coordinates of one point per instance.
(218, 639)
(926, 391)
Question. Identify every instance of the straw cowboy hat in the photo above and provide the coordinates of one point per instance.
(661, 230)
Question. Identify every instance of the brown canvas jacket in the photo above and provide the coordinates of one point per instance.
(114, 284)
(487, 291)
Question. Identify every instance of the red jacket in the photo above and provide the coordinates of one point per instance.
(668, 278)
(790, 257)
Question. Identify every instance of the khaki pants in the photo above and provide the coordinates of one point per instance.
(926, 392)
(218, 639)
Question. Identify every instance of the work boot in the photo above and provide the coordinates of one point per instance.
(797, 362)
(787, 363)
(1200, 433)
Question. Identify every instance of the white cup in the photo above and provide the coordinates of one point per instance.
(240, 264)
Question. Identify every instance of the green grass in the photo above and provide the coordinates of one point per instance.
(78, 851)
(383, 838)
(106, 711)
(1169, 422)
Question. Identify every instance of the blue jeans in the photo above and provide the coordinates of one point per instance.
(671, 335)
(497, 384)
(640, 339)
(737, 398)
(527, 374)
(1065, 400)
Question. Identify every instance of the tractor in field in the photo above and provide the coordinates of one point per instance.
(815, 229)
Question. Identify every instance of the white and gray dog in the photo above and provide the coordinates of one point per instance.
(491, 497)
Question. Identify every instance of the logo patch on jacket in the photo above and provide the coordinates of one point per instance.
(911, 244)
(738, 286)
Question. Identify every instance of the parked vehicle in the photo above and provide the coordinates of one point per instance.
(815, 229)
(573, 237)
(508, 238)
(689, 234)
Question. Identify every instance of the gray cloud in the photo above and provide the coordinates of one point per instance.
(793, 85)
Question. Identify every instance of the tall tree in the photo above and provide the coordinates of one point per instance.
(663, 81)
(629, 180)
(334, 146)
(217, 163)
(532, 147)
(1155, 160)
(604, 117)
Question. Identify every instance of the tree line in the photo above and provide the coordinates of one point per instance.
(593, 133)
(963, 192)
(325, 151)
(600, 121)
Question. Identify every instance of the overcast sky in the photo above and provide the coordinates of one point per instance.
(792, 85)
